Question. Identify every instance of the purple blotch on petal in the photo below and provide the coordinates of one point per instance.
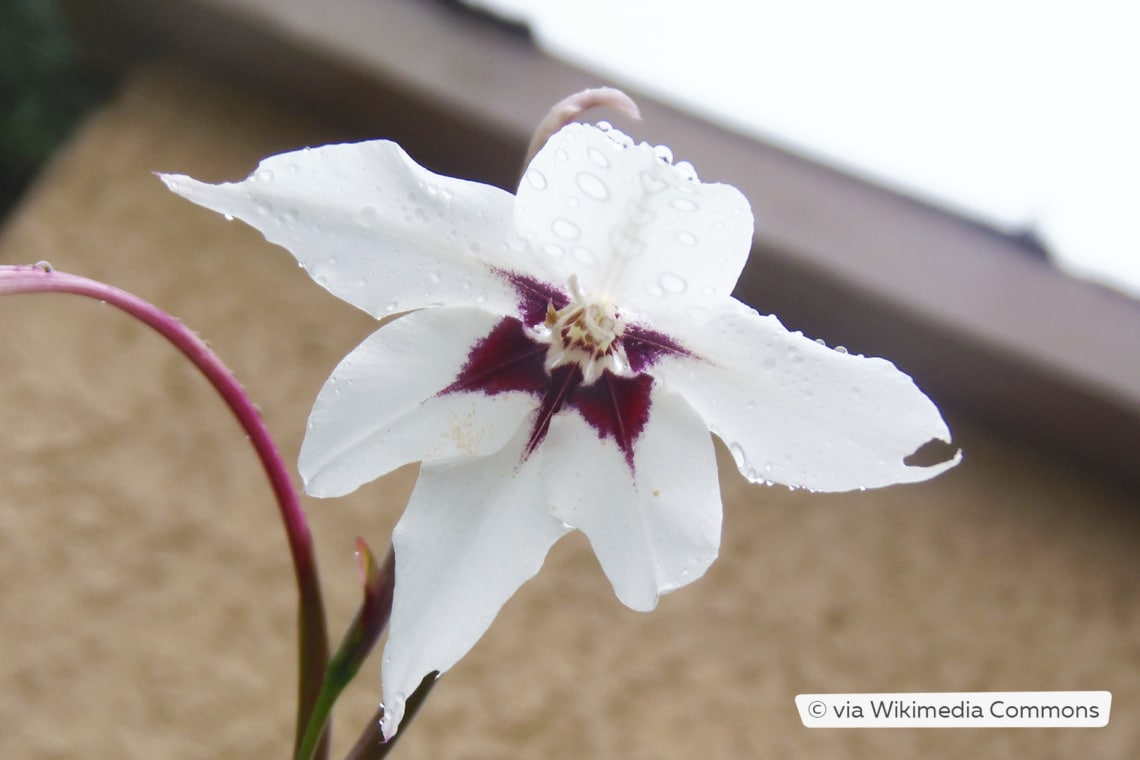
(643, 347)
(617, 407)
(534, 296)
(505, 360)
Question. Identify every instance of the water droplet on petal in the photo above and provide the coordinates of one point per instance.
(840, 349)
(553, 251)
(391, 307)
(672, 283)
(265, 175)
(228, 217)
(604, 126)
(434, 278)
(663, 153)
(683, 204)
(738, 455)
(654, 289)
(561, 155)
(592, 186)
(536, 179)
(598, 157)
(687, 171)
(687, 238)
(566, 229)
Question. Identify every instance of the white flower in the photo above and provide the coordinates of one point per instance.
(568, 350)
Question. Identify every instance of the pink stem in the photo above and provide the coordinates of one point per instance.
(311, 616)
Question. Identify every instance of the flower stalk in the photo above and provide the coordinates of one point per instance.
(312, 632)
(359, 640)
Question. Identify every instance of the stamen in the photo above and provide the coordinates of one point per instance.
(584, 332)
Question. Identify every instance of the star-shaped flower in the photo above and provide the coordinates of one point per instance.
(567, 350)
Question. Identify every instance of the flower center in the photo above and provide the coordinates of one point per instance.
(585, 332)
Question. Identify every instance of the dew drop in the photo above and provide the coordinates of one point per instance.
(566, 229)
(561, 155)
(663, 153)
(708, 290)
(687, 238)
(592, 186)
(553, 251)
(840, 349)
(228, 217)
(536, 179)
(434, 278)
(738, 455)
(265, 175)
(598, 157)
(654, 289)
(686, 170)
(391, 307)
(604, 126)
(672, 283)
(683, 204)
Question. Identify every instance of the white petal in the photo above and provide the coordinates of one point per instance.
(793, 411)
(636, 229)
(475, 530)
(380, 408)
(373, 227)
(655, 528)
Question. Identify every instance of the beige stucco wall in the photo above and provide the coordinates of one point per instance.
(147, 608)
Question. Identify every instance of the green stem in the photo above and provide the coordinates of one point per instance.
(312, 632)
(360, 638)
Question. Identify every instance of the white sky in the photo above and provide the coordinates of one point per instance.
(1023, 115)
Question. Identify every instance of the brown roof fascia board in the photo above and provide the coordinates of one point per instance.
(979, 319)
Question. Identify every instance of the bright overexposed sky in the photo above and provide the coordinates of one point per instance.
(1023, 115)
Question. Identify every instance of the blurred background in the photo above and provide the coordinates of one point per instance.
(147, 607)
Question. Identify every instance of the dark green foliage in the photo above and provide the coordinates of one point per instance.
(44, 90)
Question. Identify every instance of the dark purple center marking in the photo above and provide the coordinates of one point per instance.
(508, 359)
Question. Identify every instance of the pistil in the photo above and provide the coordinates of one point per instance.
(584, 332)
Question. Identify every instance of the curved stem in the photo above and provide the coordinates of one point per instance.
(312, 632)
